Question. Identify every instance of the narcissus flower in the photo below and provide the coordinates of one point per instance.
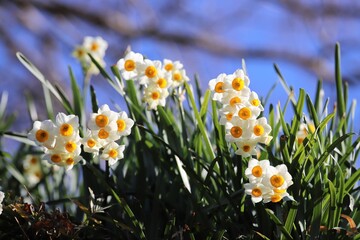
(124, 124)
(32, 169)
(246, 147)
(217, 86)
(113, 152)
(236, 129)
(149, 71)
(43, 133)
(67, 126)
(256, 170)
(95, 45)
(104, 118)
(155, 96)
(62, 159)
(129, 65)
(278, 177)
(257, 191)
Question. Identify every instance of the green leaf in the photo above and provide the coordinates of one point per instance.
(289, 223)
(277, 221)
(200, 123)
(350, 183)
(338, 80)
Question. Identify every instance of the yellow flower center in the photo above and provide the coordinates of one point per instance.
(80, 52)
(229, 116)
(66, 130)
(129, 65)
(121, 125)
(245, 113)
(91, 143)
(101, 120)
(38, 174)
(33, 161)
(162, 83)
(236, 131)
(276, 190)
(255, 102)
(168, 67)
(150, 71)
(56, 158)
(276, 198)
(94, 47)
(277, 181)
(69, 161)
(155, 95)
(238, 84)
(41, 135)
(256, 171)
(234, 101)
(103, 134)
(258, 130)
(219, 87)
(177, 77)
(256, 192)
(70, 146)
(113, 153)
(246, 148)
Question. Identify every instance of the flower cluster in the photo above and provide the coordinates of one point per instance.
(96, 46)
(267, 183)
(32, 169)
(62, 142)
(157, 77)
(240, 110)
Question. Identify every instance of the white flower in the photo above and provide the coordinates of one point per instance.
(95, 46)
(67, 125)
(217, 86)
(103, 118)
(170, 66)
(256, 191)
(304, 130)
(178, 77)
(113, 152)
(278, 177)
(248, 111)
(124, 124)
(43, 133)
(256, 170)
(80, 53)
(68, 145)
(129, 65)
(92, 143)
(154, 96)
(32, 169)
(234, 98)
(2, 196)
(236, 129)
(246, 147)
(259, 127)
(275, 195)
(67, 160)
(238, 81)
(255, 102)
(149, 71)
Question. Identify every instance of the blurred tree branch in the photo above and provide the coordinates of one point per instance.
(43, 29)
